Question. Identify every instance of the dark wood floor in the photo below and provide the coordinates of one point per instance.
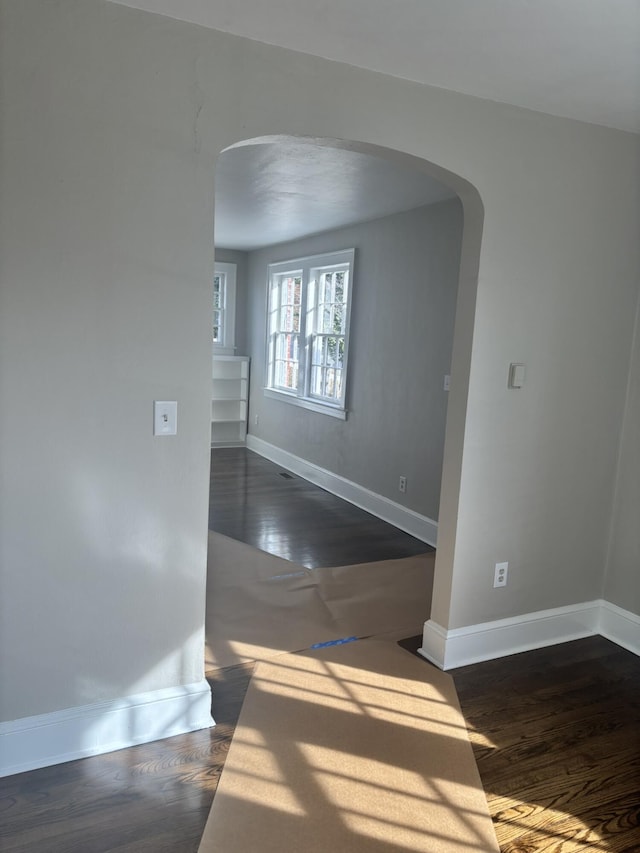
(155, 797)
(556, 733)
(266, 506)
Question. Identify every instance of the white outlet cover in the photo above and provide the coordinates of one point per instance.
(500, 574)
(165, 417)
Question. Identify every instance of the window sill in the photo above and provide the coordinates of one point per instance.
(306, 403)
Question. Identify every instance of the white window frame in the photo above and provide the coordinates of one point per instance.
(226, 344)
(308, 269)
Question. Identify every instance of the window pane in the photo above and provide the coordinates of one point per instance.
(330, 378)
(291, 290)
(326, 382)
(218, 306)
(217, 326)
(288, 317)
(286, 361)
(332, 352)
(327, 362)
(218, 291)
(286, 375)
(287, 346)
(338, 384)
(332, 298)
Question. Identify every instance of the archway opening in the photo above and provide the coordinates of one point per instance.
(286, 175)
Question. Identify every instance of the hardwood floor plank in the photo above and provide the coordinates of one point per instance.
(556, 735)
(597, 828)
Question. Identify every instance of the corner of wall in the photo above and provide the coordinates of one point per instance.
(624, 427)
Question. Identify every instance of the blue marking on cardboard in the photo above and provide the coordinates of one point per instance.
(334, 643)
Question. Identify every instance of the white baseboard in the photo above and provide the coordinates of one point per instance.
(54, 738)
(620, 626)
(489, 640)
(423, 528)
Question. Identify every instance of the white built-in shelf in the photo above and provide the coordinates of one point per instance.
(229, 399)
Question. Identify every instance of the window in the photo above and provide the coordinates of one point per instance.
(224, 308)
(309, 304)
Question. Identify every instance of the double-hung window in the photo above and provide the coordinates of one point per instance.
(309, 304)
(224, 308)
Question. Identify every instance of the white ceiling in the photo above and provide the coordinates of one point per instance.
(577, 59)
(574, 58)
(275, 192)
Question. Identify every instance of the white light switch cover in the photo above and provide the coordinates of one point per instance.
(516, 375)
(165, 417)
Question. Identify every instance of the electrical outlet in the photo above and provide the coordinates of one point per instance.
(500, 575)
(256, 420)
(402, 485)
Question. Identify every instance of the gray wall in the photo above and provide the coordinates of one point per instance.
(112, 120)
(404, 298)
(241, 260)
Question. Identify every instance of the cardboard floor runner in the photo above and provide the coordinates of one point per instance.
(259, 605)
(358, 748)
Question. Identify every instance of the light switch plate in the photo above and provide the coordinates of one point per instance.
(165, 417)
(516, 375)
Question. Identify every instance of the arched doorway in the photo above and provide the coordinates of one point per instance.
(463, 328)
